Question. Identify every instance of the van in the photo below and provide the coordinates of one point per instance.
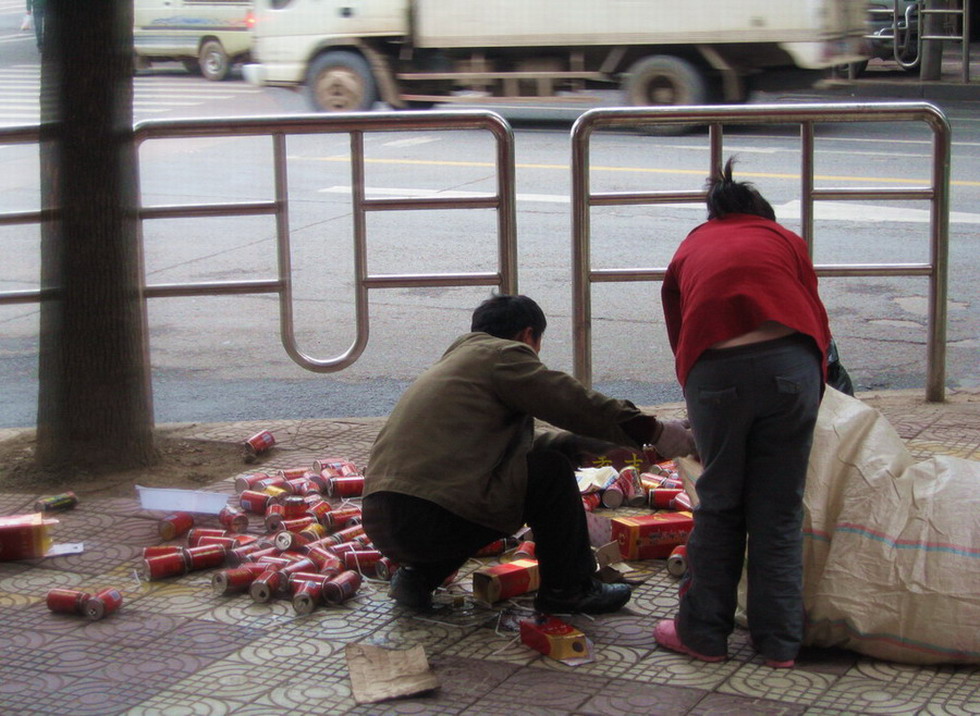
(208, 36)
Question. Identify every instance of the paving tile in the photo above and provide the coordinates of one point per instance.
(34, 692)
(433, 634)
(172, 703)
(731, 705)
(611, 661)
(207, 639)
(852, 694)
(493, 646)
(670, 668)
(794, 685)
(544, 691)
(630, 697)
(829, 661)
(326, 694)
(620, 629)
(16, 503)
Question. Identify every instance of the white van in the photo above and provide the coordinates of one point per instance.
(208, 36)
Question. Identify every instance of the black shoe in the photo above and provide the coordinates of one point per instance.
(594, 598)
(409, 590)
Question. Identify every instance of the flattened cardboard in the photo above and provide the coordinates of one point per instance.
(377, 674)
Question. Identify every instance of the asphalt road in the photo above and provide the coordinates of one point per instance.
(220, 358)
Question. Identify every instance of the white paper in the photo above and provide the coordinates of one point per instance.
(172, 500)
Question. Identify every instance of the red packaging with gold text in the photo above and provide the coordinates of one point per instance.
(24, 536)
(554, 638)
(503, 581)
(651, 536)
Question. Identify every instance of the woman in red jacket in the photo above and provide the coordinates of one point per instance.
(749, 335)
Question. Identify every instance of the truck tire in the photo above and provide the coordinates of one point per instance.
(664, 80)
(341, 81)
(214, 61)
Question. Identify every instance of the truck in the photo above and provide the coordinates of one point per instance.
(349, 54)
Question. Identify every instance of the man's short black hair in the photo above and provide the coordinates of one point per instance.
(727, 196)
(505, 316)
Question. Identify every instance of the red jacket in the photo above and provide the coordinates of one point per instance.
(732, 274)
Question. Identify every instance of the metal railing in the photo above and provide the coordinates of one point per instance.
(806, 116)
(355, 125)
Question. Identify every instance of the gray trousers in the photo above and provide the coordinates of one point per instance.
(752, 409)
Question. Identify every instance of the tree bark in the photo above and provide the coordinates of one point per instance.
(94, 399)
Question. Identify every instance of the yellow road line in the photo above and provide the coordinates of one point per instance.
(640, 170)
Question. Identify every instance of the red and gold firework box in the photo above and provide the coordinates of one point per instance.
(554, 638)
(503, 581)
(24, 536)
(651, 536)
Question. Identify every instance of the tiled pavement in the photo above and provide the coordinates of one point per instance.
(175, 648)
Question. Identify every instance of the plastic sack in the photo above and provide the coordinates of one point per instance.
(27, 24)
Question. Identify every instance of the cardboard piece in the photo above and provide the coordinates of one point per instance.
(651, 536)
(377, 674)
(610, 563)
(503, 581)
(557, 640)
(25, 536)
(168, 499)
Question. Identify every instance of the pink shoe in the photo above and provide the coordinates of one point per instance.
(788, 664)
(666, 635)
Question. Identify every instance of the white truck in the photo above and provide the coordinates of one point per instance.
(351, 53)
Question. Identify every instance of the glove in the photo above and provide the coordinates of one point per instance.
(675, 439)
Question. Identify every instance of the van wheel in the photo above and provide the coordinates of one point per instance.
(664, 80)
(340, 81)
(214, 61)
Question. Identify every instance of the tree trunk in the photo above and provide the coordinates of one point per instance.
(94, 399)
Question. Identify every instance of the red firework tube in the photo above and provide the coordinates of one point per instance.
(276, 480)
(237, 579)
(267, 584)
(257, 444)
(344, 547)
(591, 500)
(274, 562)
(362, 560)
(613, 496)
(336, 466)
(67, 601)
(304, 564)
(103, 603)
(56, 503)
(525, 550)
(227, 542)
(681, 502)
(306, 595)
(302, 486)
(157, 550)
(165, 565)
(286, 541)
(341, 517)
(677, 561)
(672, 482)
(493, 549)
(342, 587)
(239, 555)
(347, 534)
(319, 511)
(206, 556)
(314, 532)
(295, 525)
(320, 481)
(324, 559)
(274, 515)
(636, 495)
(175, 525)
(246, 482)
(291, 473)
(195, 535)
(352, 486)
(293, 507)
(385, 568)
(254, 501)
(233, 519)
(661, 497)
(267, 552)
(320, 577)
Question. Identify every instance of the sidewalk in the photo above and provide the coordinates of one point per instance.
(174, 647)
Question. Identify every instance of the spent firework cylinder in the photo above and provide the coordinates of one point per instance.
(347, 534)
(660, 498)
(385, 568)
(286, 541)
(350, 486)
(258, 444)
(242, 553)
(677, 561)
(613, 496)
(274, 515)
(277, 481)
(157, 550)
(237, 579)
(176, 525)
(267, 584)
(67, 601)
(362, 560)
(340, 518)
(233, 519)
(591, 500)
(342, 587)
(206, 556)
(334, 466)
(682, 502)
(273, 561)
(103, 603)
(195, 535)
(497, 547)
(294, 507)
(304, 564)
(291, 473)
(165, 565)
(306, 595)
(319, 577)
(57, 503)
(635, 495)
(324, 559)
(226, 541)
(313, 532)
(525, 550)
(302, 486)
(296, 525)
(248, 481)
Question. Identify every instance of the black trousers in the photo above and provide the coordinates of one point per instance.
(753, 410)
(436, 542)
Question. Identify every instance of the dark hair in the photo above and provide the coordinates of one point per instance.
(505, 316)
(727, 196)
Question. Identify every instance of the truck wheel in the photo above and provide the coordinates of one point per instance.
(214, 61)
(664, 80)
(340, 81)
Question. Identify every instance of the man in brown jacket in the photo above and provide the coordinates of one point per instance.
(459, 464)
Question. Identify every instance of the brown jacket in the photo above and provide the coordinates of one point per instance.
(460, 434)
